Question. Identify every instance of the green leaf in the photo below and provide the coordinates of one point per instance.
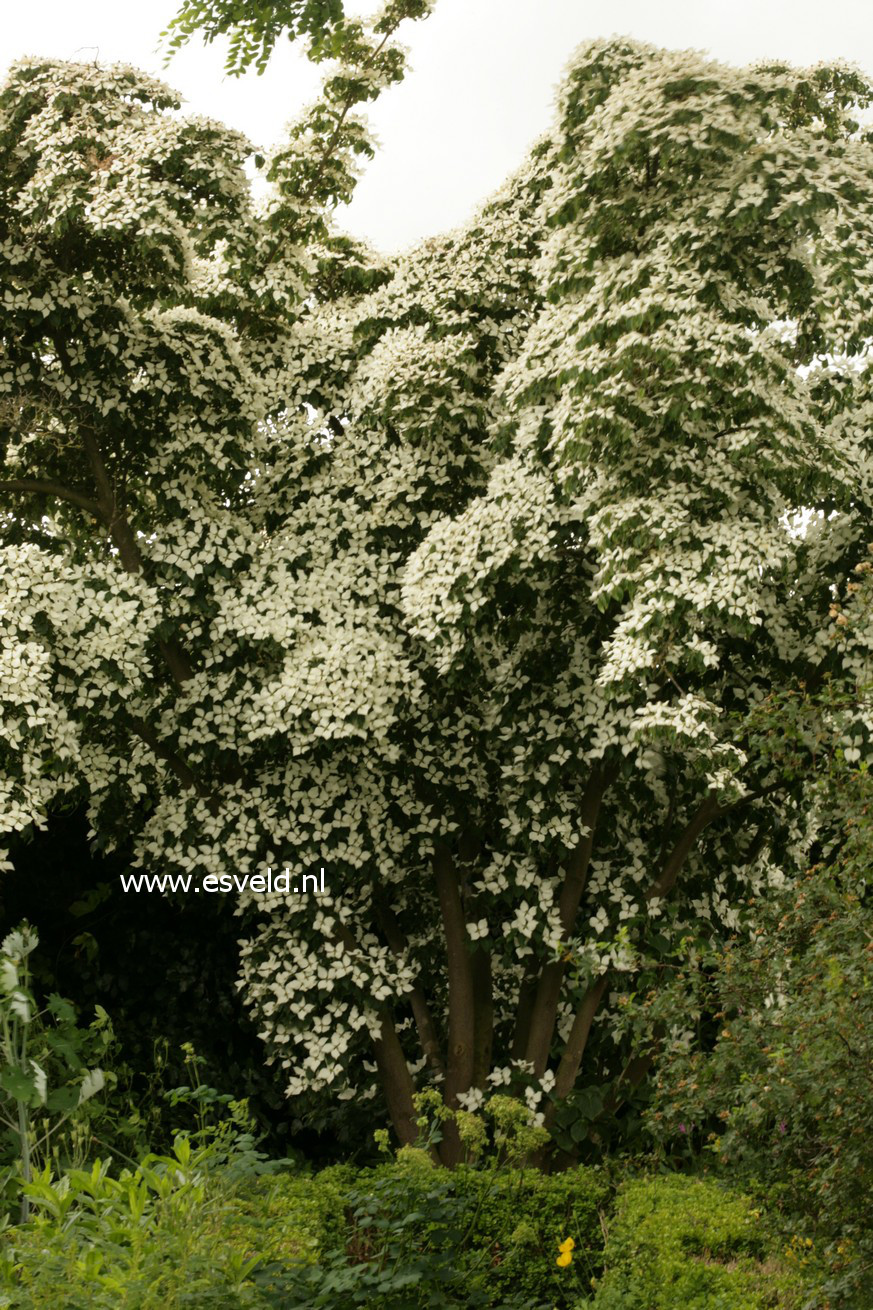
(62, 1099)
(588, 1102)
(19, 1085)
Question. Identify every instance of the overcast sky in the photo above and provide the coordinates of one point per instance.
(481, 89)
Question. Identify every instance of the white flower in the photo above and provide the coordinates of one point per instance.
(472, 1100)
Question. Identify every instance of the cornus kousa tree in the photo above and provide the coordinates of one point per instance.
(465, 573)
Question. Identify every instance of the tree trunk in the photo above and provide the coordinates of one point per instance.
(396, 1083)
(545, 1006)
(571, 1060)
(462, 1006)
(483, 1002)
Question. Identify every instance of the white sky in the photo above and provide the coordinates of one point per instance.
(481, 87)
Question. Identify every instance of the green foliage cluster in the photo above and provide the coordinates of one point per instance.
(253, 28)
(784, 1093)
(214, 1223)
(174, 1231)
(504, 1131)
(186, 1228)
(781, 1092)
(98, 948)
(407, 1233)
(139, 1239)
(419, 1236)
(179, 1230)
(45, 1081)
(682, 1242)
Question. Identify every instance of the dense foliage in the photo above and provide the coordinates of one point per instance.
(679, 1242)
(175, 1231)
(163, 1234)
(778, 1087)
(463, 574)
(253, 28)
(164, 969)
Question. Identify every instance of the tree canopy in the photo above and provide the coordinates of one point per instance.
(466, 573)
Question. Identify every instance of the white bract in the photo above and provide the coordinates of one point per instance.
(464, 574)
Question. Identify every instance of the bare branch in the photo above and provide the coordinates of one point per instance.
(545, 1006)
(397, 943)
(45, 487)
(183, 772)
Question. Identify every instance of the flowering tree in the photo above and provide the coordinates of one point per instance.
(461, 573)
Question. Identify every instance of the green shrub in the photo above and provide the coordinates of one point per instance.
(521, 1218)
(780, 1095)
(150, 1239)
(678, 1243)
(287, 1221)
(180, 1232)
(418, 1236)
(186, 1230)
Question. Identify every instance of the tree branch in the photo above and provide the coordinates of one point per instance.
(462, 1008)
(704, 815)
(129, 553)
(633, 1073)
(524, 1011)
(545, 1006)
(666, 879)
(393, 1069)
(483, 1004)
(396, 1082)
(333, 140)
(183, 772)
(571, 1060)
(708, 810)
(427, 1033)
(44, 487)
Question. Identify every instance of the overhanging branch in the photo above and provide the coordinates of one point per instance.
(45, 487)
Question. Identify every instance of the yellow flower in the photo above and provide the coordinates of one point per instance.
(564, 1259)
(567, 1245)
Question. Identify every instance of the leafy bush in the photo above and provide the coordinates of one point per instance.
(522, 1217)
(45, 1081)
(420, 1236)
(677, 1243)
(785, 1091)
(288, 1220)
(781, 1093)
(150, 1238)
(183, 1230)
